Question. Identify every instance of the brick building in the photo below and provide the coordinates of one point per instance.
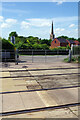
(77, 42)
(57, 42)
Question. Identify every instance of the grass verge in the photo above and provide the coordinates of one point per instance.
(74, 59)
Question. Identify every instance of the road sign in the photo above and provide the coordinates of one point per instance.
(12, 38)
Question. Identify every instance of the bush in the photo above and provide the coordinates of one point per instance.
(59, 48)
(74, 59)
(68, 47)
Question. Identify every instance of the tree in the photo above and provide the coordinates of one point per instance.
(72, 39)
(68, 47)
(13, 34)
(63, 37)
(40, 46)
(25, 46)
(79, 39)
(36, 46)
(46, 41)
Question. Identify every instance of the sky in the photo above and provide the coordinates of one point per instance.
(35, 19)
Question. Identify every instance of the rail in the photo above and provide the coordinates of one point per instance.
(38, 109)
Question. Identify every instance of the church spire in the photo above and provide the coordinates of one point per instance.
(52, 28)
(52, 32)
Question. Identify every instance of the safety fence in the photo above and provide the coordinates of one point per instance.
(31, 55)
(43, 52)
(76, 50)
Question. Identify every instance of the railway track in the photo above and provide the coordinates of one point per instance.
(62, 68)
(45, 89)
(38, 80)
(41, 75)
(39, 109)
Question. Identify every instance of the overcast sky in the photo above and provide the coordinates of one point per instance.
(35, 18)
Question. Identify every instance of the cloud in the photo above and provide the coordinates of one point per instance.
(60, 2)
(1, 18)
(37, 22)
(65, 19)
(59, 29)
(13, 21)
(72, 25)
(25, 24)
(8, 23)
(76, 29)
(4, 25)
(40, 26)
(41, 22)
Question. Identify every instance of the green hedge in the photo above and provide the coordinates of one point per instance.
(9, 47)
(6, 45)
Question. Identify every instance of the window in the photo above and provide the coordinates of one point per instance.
(55, 41)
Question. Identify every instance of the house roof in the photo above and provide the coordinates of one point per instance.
(71, 41)
(62, 40)
(76, 41)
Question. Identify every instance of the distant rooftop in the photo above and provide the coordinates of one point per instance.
(62, 40)
(71, 41)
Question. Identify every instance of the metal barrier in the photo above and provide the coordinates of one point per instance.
(41, 55)
(33, 55)
(9, 56)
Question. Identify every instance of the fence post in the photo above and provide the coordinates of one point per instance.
(72, 48)
(32, 56)
(45, 56)
(57, 53)
(70, 55)
(5, 55)
(16, 57)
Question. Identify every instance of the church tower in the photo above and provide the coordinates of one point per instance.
(52, 36)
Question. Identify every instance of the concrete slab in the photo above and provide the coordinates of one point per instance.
(7, 88)
(12, 102)
(46, 72)
(19, 82)
(5, 74)
(38, 99)
(19, 88)
(47, 100)
(7, 84)
(0, 103)
(31, 100)
(7, 81)
(64, 96)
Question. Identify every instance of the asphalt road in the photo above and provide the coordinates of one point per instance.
(55, 58)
